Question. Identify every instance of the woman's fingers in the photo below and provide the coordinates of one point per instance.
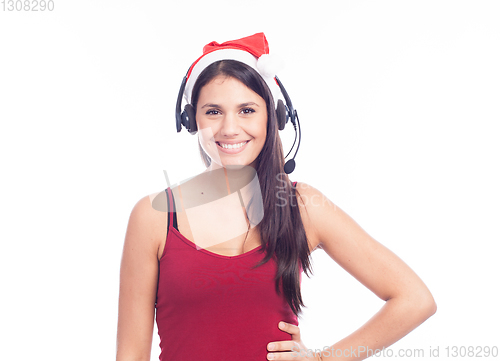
(291, 329)
(284, 356)
(283, 346)
(288, 350)
(294, 356)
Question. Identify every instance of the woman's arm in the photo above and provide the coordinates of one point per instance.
(138, 282)
(408, 301)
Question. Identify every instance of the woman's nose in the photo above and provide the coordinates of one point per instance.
(230, 125)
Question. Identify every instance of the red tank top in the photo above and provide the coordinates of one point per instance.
(215, 307)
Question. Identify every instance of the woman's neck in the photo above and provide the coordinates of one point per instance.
(235, 178)
(216, 185)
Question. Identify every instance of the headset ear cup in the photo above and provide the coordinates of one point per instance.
(281, 114)
(178, 121)
(190, 116)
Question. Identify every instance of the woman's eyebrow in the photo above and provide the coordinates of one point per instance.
(210, 105)
(247, 104)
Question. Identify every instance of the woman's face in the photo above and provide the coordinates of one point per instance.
(232, 122)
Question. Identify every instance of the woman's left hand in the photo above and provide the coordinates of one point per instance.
(297, 351)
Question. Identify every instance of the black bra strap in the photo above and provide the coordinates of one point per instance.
(172, 219)
(174, 214)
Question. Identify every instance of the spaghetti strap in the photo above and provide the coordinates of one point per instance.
(167, 215)
(170, 208)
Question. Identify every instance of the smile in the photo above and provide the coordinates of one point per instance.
(232, 148)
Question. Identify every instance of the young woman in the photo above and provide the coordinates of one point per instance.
(220, 256)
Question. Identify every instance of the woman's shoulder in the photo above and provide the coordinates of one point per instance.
(309, 194)
(313, 205)
(148, 218)
(151, 206)
(313, 200)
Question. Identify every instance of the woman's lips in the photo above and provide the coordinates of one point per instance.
(232, 150)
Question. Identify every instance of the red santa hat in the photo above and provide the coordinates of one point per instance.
(251, 50)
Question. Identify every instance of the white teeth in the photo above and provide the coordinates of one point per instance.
(232, 146)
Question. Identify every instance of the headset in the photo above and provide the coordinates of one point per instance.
(187, 118)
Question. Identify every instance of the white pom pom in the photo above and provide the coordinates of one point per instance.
(269, 65)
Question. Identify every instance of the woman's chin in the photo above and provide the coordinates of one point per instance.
(234, 165)
(231, 165)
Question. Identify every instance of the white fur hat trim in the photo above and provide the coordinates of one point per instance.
(264, 67)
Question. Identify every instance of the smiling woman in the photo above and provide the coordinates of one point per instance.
(222, 268)
(236, 118)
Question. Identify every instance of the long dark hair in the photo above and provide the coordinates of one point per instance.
(281, 229)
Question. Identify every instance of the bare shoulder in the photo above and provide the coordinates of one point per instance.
(314, 208)
(147, 225)
(331, 226)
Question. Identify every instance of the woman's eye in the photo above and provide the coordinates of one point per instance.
(247, 111)
(212, 112)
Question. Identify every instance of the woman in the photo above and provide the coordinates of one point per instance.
(225, 282)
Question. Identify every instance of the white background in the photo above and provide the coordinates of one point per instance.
(399, 109)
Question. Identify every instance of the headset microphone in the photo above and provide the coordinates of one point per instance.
(290, 164)
(292, 114)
